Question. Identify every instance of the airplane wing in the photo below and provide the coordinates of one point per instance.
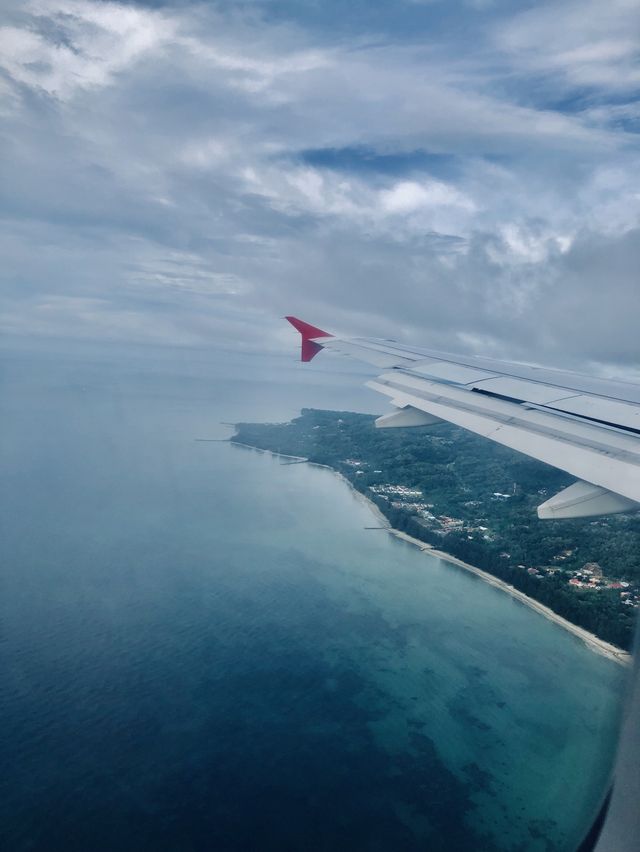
(586, 426)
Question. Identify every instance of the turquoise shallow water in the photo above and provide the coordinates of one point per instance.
(205, 649)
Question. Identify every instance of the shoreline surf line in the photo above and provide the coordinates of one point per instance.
(593, 642)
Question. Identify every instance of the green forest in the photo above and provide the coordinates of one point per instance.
(477, 500)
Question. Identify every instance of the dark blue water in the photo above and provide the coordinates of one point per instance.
(202, 649)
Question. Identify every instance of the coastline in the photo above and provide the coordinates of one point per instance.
(593, 642)
(272, 452)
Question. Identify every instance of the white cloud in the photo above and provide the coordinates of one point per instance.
(408, 196)
(429, 205)
(157, 176)
(521, 244)
(89, 44)
(590, 43)
(185, 272)
(253, 67)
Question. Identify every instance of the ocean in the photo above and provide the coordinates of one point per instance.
(204, 649)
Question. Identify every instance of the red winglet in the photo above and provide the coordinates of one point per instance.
(309, 346)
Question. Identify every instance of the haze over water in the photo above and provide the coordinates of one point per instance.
(203, 649)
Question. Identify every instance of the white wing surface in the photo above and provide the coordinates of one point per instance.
(586, 426)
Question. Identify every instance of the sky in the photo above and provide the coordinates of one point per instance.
(461, 175)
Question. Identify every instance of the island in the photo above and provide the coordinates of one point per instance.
(475, 501)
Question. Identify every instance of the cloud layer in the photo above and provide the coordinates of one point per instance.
(462, 175)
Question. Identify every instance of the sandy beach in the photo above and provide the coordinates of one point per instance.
(590, 639)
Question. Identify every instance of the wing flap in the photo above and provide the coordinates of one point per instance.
(445, 371)
(537, 393)
(584, 500)
(607, 411)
